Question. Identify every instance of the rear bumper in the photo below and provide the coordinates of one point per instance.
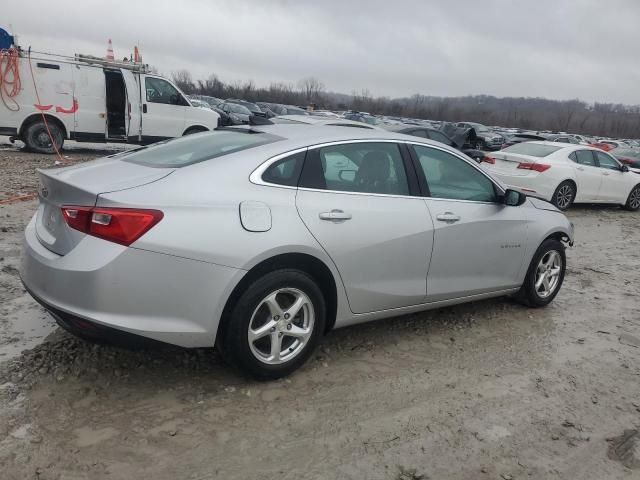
(162, 297)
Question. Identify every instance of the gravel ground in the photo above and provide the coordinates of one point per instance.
(486, 390)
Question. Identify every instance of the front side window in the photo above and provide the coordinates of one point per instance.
(453, 178)
(605, 161)
(285, 171)
(161, 91)
(358, 167)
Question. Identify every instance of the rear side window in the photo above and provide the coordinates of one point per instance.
(191, 149)
(532, 149)
(285, 171)
(357, 167)
(583, 157)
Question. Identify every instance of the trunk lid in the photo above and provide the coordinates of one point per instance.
(81, 185)
(507, 163)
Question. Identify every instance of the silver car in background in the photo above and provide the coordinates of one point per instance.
(261, 239)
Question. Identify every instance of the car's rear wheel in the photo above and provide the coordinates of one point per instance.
(633, 201)
(37, 139)
(564, 195)
(545, 275)
(275, 325)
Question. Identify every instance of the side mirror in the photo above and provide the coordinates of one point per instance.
(624, 168)
(513, 198)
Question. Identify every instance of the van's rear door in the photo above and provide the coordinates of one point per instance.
(90, 104)
(134, 106)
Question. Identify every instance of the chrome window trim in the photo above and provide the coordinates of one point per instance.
(256, 176)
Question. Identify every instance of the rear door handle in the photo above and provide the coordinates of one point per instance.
(335, 215)
(448, 217)
(580, 168)
(606, 174)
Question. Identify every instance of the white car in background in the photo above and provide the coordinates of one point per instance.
(563, 174)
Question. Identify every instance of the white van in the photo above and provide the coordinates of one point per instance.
(89, 99)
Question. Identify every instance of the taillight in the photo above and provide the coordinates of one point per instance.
(119, 225)
(536, 167)
(489, 159)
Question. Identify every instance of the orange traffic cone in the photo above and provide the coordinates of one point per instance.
(110, 56)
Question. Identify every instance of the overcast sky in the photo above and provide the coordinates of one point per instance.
(559, 49)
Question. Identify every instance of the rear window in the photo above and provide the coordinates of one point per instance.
(191, 149)
(531, 149)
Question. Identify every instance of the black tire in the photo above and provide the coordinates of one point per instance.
(36, 137)
(480, 145)
(192, 130)
(564, 195)
(633, 200)
(529, 294)
(235, 347)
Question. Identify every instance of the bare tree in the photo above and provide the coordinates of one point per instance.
(182, 78)
(311, 88)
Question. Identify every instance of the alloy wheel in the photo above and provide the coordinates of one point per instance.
(281, 326)
(548, 273)
(634, 198)
(564, 196)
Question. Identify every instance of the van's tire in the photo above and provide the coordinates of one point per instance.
(296, 336)
(633, 200)
(36, 137)
(549, 262)
(193, 130)
(564, 195)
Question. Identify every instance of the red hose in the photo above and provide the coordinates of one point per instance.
(10, 83)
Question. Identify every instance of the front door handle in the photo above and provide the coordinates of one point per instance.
(448, 217)
(606, 174)
(580, 168)
(335, 215)
(144, 108)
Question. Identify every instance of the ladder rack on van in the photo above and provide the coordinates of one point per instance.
(90, 59)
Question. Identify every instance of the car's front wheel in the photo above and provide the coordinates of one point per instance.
(275, 325)
(545, 275)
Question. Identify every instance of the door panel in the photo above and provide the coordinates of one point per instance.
(382, 251)
(355, 200)
(479, 243)
(614, 187)
(164, 116)
(587, 174)
(89, 104)
(132, 84)
(481, 252)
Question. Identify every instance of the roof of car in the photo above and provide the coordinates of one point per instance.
(299, 135)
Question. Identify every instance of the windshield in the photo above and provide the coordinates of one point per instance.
(531, 149)
(191, 149)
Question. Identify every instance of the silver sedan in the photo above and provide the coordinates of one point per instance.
(261, 239)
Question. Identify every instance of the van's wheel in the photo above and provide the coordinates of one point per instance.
(564, 195)
(275, 325)
(545, 275)
(192, 130)
(633, 201)
(37, 139)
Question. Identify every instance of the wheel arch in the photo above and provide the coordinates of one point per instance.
(304, 262)
(196, 128)
(34, 117)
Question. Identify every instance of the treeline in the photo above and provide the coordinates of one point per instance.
(573, 116)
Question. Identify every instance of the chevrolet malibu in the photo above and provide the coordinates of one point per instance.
(259, 240)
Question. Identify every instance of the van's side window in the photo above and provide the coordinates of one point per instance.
(161, 91)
